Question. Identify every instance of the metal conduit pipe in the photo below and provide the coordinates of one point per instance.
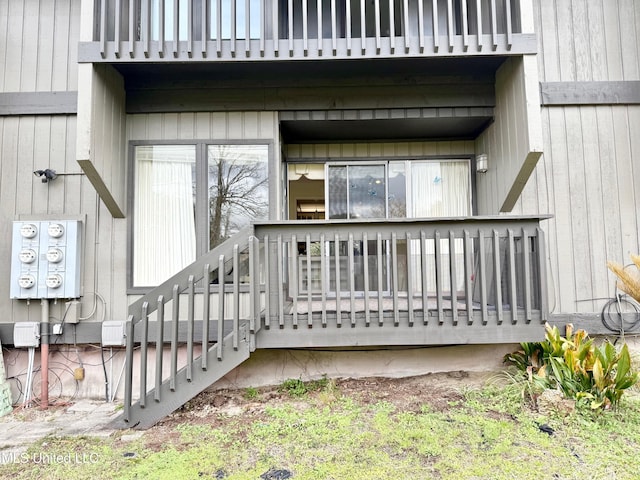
(44, 354)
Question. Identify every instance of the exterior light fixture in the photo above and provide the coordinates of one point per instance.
(481, 163)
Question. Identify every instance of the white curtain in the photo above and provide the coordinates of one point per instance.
(439, 189)
(164, 227)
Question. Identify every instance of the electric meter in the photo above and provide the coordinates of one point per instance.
(54, 280)
(28, 230)
(26, 281)
(27, 255)
(55, 230)
(54, 255)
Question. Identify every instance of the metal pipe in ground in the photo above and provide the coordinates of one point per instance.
(44, 355)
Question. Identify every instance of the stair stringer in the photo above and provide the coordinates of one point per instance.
(142, 418)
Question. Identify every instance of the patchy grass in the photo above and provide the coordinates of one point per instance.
(358, 430)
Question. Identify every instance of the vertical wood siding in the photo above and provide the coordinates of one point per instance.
(588, 40)
(28, 143)
(513, 143)
(588, 179)
(38, 45)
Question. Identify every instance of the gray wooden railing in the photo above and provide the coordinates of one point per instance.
(165, 30)
(333, 283)
(463, 269)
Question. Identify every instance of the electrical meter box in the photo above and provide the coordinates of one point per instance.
(45, 260)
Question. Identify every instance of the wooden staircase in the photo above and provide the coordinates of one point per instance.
(225, 340)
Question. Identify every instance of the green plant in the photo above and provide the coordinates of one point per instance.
(251, 393)
(575, 366)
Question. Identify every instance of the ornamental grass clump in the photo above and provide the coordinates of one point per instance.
(573, 365)
(628, 279)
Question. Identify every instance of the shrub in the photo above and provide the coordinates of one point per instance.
(576, 367)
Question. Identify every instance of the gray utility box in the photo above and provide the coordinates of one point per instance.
(26, 334)
(45, 259)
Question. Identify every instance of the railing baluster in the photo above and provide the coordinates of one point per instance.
(293, 285)
(468, 272)
(497, 275)
(204, 28)
(434, 20)
(206, 294)
(191, 291)
(423, 272)
(392, 27)
(450, 26)
(267, 283)
(542, 274)
(483, 277)
(305, 27)
(280, 285)
(320, 33)
(117, 30)
(512, 277)
(334, 33)
(175, 297)
(232, 39)
(465, 27)
(494, 25)
(128, 381)
(159, 347)
(290, 17)
(409, 248)
(190, 29)
(263, 27)
(348, 27)
(377, 25)
(420, 25)
(275, 22)
(247, 28)
(507, 13)
(253, 285)
(380, 278)
(394, 273)
(338, 286)
(176, 27)
(221, 302)
(161, 33)
(365, 264)
(219, 28)
(527, 276)
(363, 27)
(453, 277)
(309, 283)
(405, 30)
(146, 15)
(144, 354)
(438, 263)
(103, 29)
(236, 296)
(324, 278)
(132, 28)
(352, 289)
(479, 23)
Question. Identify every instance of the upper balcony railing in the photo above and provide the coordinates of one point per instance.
(206, 30)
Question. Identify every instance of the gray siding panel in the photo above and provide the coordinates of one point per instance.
(38, 103)
(590, 93)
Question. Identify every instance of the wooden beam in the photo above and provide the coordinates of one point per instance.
(590, 93)
(38, 103)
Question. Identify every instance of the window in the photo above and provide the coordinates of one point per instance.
(189, 198)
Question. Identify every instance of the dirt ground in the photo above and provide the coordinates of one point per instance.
(408, 394)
